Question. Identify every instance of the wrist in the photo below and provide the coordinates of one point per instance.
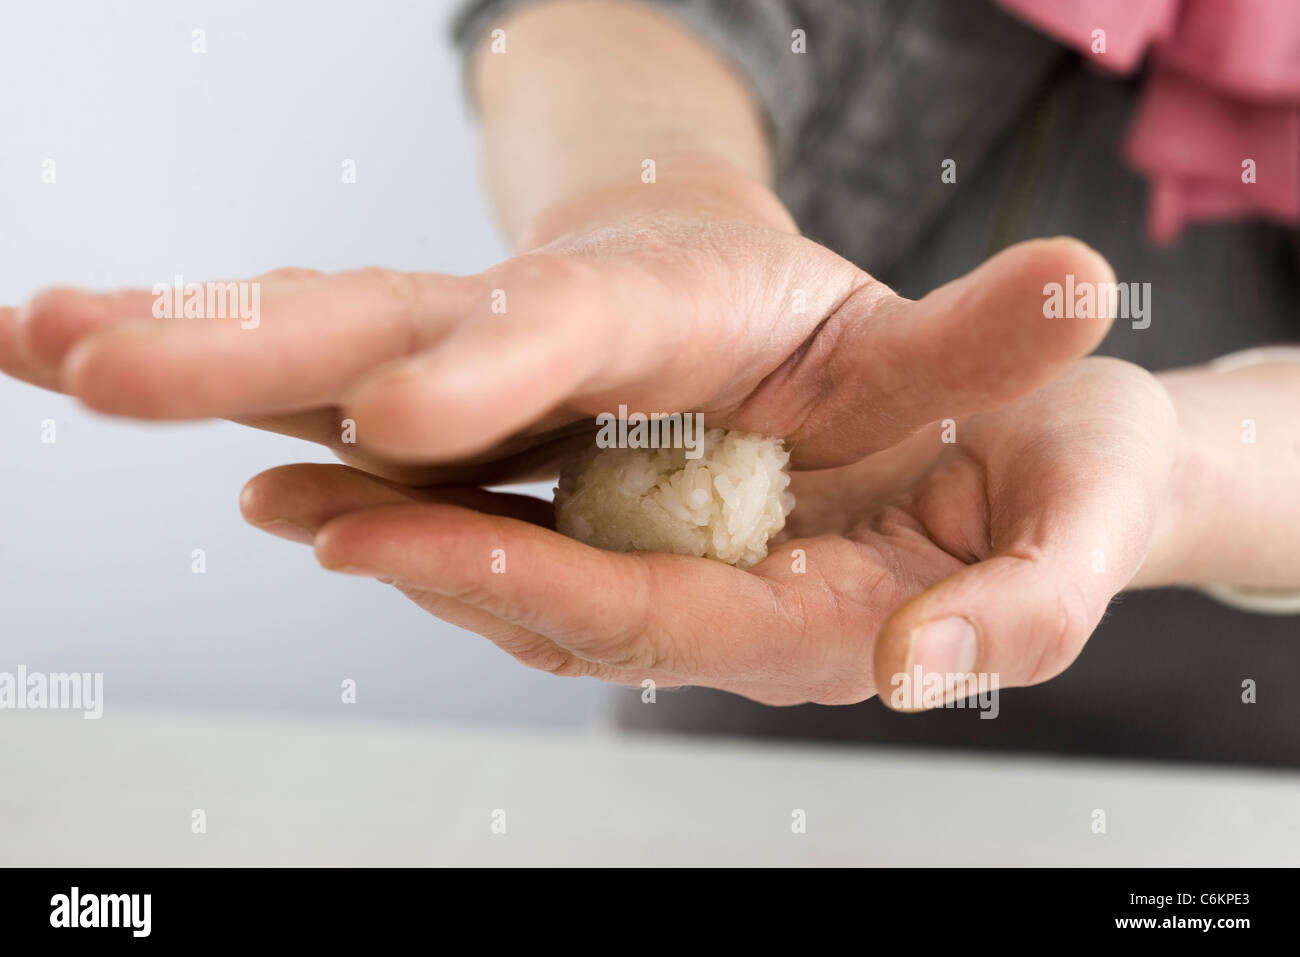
(1227, 518)
(697, 186)
(1178, 551)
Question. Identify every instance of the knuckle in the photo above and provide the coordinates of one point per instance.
(292, 274)
(837, 689)
(406, 295)
(1063, 634)
(556, 662)
(634, 648)
(556, 284)
(536, 652)
(398, 285)
(639, 644)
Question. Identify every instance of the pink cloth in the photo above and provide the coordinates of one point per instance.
(1223, 87)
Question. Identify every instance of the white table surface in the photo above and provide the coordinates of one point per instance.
(292, 791)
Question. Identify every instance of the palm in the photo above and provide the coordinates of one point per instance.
(619, 318)
(1010, 518)
(759, 329)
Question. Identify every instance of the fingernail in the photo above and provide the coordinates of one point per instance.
(293, 531)
(947, 646)
(22, 319)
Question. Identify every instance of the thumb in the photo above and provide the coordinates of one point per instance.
(1073, 502)
(978, 343)
(1008, 621)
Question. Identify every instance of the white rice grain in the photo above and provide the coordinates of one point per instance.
(724, 505)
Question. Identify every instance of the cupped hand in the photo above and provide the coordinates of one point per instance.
(481, 378)
(990, 547)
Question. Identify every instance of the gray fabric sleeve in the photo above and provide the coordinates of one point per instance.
(756, 36)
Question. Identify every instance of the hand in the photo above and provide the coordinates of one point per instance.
(662, 310)
(997, 553)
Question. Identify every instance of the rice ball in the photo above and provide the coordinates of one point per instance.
(724, 504)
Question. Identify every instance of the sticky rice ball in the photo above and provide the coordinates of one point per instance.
(724, 505)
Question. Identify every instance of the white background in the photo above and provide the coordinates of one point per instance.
(224, 165)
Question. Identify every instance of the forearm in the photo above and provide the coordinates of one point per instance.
(1233, 514)
(585, 93)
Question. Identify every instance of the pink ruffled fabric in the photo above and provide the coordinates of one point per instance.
(1222, 87)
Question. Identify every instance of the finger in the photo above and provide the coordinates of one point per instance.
(14, 360)
(1068, 533)
(295, 501)
(881, 367)
(57, 319)
(698, 622)
(495, 374)
(655, 613)
(525, 646)
(52, 322)
(302, 343)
